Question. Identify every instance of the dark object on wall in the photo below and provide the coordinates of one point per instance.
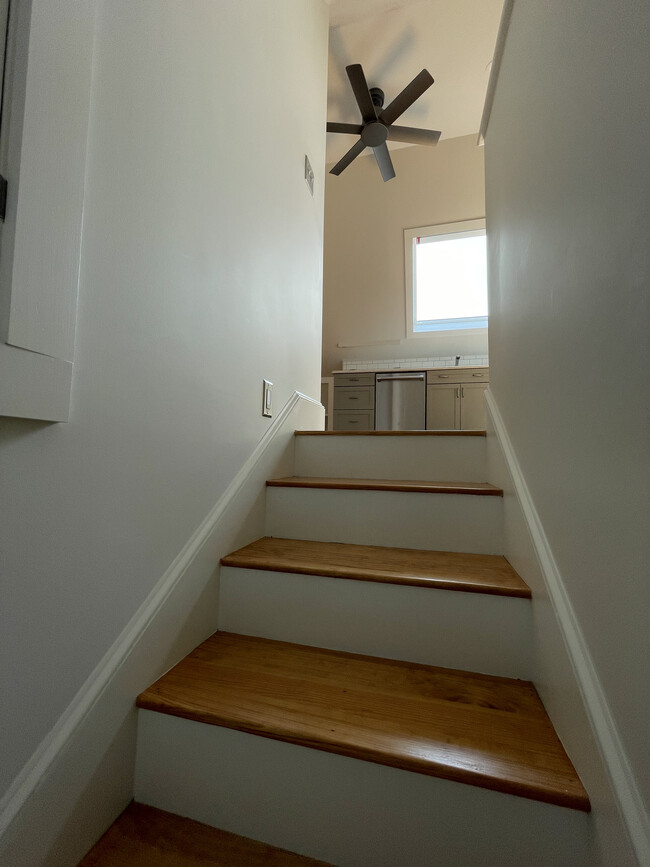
(377, 126)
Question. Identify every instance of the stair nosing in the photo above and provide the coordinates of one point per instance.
(481, 489)
(391, 433)
(248, 558)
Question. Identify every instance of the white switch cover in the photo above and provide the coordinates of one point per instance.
(309, 175)
(267, 392)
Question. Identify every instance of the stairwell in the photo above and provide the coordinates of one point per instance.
(367, 698)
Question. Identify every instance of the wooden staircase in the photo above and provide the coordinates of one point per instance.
(330, 647)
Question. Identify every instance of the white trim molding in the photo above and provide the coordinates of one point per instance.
(604, 727)
(220, 528)
(504, 24)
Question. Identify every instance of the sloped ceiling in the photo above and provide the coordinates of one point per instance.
(393, 40)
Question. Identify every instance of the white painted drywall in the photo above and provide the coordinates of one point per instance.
(554, 674)
(567, 189)
(363, 285)
(201, 275)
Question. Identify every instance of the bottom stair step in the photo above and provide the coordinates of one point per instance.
(146, 836)
(483, 730)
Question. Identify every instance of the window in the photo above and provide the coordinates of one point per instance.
(446, 277)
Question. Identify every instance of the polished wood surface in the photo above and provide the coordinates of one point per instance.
(146, 837)
(475, 573)
(390, 433)
(482, 489)
(479, 729)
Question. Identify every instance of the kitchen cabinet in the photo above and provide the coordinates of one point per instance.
(443, 407)
(354, 401)
(354, 420)
(472, 406)
(455, 399)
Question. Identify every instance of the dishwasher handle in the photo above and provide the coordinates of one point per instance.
(398, 378)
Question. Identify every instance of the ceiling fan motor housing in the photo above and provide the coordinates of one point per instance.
(374, 134)
(377, 96)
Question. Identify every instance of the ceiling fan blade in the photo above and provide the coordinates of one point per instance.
(361, 92)
(413, 136)
(422, 81)
(351, 128)
(384, 162)
(345, 161)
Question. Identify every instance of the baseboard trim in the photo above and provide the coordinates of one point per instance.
(96, 684)
(605, 730)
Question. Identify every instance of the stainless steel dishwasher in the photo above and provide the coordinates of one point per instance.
(400, 401)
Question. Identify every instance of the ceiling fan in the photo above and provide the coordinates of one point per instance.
(377, 126)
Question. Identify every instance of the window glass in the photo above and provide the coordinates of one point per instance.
(447, 277)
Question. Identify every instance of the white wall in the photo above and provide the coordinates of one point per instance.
(201, 275)
(363, 287)
(567, 190)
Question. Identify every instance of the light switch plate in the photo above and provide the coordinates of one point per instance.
(267, 395)
(309, 175)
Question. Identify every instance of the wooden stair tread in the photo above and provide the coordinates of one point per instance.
(425, 487)
(390, 433)
(476, 573)
(478, 729)
(145, 835)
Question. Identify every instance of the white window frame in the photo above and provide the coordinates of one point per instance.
(468, 325)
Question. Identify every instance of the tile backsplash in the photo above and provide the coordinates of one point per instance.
(410, 363)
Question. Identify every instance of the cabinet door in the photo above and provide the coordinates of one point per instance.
(472, 406)
(443, 407)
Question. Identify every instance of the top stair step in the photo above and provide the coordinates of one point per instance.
(487, 731)
(391, 454)
(390, 433)
(409, 485)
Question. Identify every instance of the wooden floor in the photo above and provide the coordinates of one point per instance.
(390, 433)
(145, 837)
(425, 487)
(476, 573)
(487, 731)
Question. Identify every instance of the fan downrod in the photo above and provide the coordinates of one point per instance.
(377, 97)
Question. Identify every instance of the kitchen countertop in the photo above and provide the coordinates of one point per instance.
(414, 369)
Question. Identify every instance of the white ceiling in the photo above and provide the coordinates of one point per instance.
(393, 40)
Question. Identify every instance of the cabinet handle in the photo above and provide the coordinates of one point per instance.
(353, 421)
(478, 375)
(443, 376)
(353, 398)
(462, 391)
(458, 392)
(354, 379)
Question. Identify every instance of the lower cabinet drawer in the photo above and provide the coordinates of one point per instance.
(354, 398)
(354, 420)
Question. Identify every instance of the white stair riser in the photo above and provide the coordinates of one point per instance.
(444, 522)
(459, 459)
(470, 631)
(347, 812)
